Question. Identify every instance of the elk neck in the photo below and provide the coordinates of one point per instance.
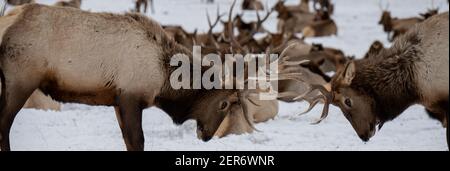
(390, 77)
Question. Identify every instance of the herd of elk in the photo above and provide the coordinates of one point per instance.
(299, 19)
(395, 27)
(369, 91)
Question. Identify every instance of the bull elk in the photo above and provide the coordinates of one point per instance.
(128, 70)
(414, 70)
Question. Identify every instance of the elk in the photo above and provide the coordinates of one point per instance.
(252, 5)
(235, 122)
(414, 70)
(291, 20)
(143, 4)
(130, 76)
(396, 26)
(71, 3)
(324, 26)
(303, 7)
(323, 5)
(289, 88)
(374, 49)
(19, 2)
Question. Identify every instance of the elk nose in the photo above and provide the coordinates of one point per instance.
(206, 138)
(364, 137)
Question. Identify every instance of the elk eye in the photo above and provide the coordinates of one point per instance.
(224, 105)
(348, 102)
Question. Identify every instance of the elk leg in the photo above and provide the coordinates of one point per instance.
(145, 6)
(129, 115)
(138, 6)
(13, 102)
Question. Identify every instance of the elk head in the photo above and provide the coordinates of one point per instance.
(357, 105)
(210, 110)
(386, 19)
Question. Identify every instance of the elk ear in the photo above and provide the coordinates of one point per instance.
(349, 73)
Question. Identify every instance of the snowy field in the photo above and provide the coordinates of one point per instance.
(80, 127)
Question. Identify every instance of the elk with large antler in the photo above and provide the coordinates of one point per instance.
(290, 73)
(414, 70)
(129, 70)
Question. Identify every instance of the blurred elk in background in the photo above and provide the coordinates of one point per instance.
(395, 27)
(322, 25)
(252, 5)
(374, 49)
(142, 6)
(71, 3)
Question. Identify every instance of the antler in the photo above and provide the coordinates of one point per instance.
(289, 70)
(212, 25)
(258, 24)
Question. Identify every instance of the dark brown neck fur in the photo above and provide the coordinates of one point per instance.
(389, 77)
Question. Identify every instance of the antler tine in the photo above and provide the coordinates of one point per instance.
(258, 25)
(325, 96)
(289, 70)
(380, 5)
(209, 21)
(242, 95)
(213, 25)
(232, 39)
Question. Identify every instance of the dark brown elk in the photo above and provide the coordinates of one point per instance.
(71, 3)
(128, 70)
(414, 70)
(252, 5)
(142, 6)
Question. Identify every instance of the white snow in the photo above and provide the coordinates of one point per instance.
(81, 127)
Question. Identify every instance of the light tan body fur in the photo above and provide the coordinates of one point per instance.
(236, 124)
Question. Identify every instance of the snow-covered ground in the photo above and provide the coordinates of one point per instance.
(80, 127)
